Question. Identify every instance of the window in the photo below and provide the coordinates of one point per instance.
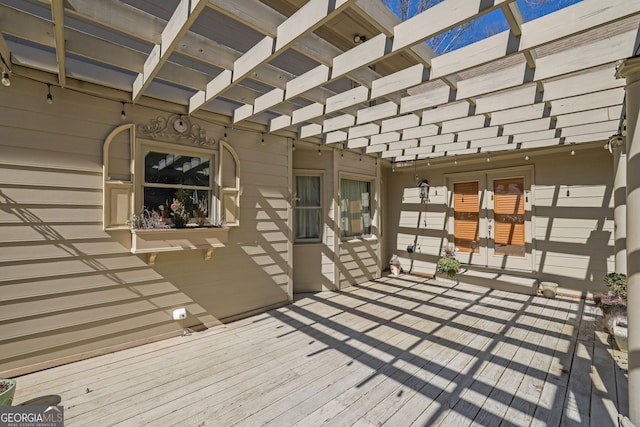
(177, 184)
(308, 208)
(201, 183)
(355, 208)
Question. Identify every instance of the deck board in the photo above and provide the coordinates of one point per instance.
(397, 351)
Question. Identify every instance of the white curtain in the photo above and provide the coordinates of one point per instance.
(307, 209)
(355, 208)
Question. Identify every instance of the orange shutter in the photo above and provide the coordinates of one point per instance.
(508, 212)
(466, 216)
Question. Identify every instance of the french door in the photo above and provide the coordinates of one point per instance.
(490, 217)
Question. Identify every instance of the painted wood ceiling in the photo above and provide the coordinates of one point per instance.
(292, 67)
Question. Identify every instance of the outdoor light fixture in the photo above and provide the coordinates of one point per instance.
(5, 78)
(424, 189)
(262, 140)
(359, 39)
(573, 150)
(123, 115)
(455, 160)
(428, 161)
(526, 154)
(488, 157)
(319, 152)
(49, 97)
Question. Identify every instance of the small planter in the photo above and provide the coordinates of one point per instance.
(549, 289)
(7, 390)
(621, 336)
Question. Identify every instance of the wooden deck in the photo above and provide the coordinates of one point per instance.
(399, 351)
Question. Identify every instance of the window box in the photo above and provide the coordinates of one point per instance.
(153, 242)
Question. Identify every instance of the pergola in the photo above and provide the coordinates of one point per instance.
(348, 74)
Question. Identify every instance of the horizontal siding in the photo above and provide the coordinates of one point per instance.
(572, 216)
(66, 286)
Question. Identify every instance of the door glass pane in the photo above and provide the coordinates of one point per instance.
(508, 214)
(466, 216)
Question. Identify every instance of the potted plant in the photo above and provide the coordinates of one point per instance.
(614, 307)
(448, 264)
(7, 390)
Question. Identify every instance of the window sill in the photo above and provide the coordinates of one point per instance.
(359, 239)
(152, 242)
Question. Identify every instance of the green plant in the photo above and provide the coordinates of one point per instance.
(617, 284)
(449, 266)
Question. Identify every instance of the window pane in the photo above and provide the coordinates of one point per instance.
(307, 223)
(355, 208)
(308, 191)
(179, 169)
(308, 209)
(160, 199)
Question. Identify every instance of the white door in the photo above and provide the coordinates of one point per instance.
(509, 219)
(490, 218)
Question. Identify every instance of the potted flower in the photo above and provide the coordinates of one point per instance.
(7, 390)
(614, 307)
(448, 264)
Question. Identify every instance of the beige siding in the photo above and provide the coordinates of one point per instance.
(70, 289)
(572, 216)
(336, 263)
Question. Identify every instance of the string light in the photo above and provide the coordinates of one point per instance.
(225, 131)
(319, 152)
(123, 115)
(455, 159)
(262, 140)
(49, 97)
(526, 154)
(428, 161)
(488, 157)
(573, 150)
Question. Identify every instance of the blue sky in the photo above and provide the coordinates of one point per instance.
(494, 22)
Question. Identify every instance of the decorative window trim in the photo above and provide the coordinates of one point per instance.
(230, 196)
(122, 197)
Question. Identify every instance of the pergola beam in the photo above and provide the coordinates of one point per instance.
(505, 44)
(57, 13)
(183, 17)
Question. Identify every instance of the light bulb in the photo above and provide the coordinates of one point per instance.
(262, 140)
(49, 97)
(293, 147)
(573, 151)
(5, 79)
(123, 115)
(319, 152)
(428, 161)
(455, 160)
(488, 157)
(526, 155)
